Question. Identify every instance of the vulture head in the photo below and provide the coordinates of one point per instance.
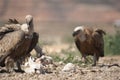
(29, 19)
(28, 26)
(78, 33)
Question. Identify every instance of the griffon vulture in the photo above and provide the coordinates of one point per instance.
(16, 41)
(37, 47)
(89, 42)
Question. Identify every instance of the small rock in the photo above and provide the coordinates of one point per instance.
(69, 68)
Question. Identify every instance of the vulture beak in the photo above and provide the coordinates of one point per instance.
(74, 33)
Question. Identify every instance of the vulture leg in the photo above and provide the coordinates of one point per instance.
(95, 59)
(9, 64)
(18, 64)
(38, 50)
(84, 58)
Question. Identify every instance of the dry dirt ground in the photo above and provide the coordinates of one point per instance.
(107, 69)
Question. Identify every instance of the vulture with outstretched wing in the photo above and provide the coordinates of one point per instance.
(89, 42)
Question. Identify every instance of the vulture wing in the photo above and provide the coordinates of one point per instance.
(34, 41)
(7, 29)
(77, 43)
(98, 41)
(31, 43)
(9, 43)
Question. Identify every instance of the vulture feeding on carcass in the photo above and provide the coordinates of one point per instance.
(16, 41)
(89, 41)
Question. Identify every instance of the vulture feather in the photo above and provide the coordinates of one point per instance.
(89, 42)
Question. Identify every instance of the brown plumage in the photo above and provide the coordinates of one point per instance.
(89, 42)
(16, 41)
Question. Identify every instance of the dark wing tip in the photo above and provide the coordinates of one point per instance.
(13, 21)
(100, 31)
(10, 20)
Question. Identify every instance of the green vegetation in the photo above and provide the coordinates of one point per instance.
(112, 44)
(71, 57)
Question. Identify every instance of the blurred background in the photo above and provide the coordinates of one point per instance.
(55, 20)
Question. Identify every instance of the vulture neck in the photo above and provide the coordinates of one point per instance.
(31, 28)
(82, 38)
(31, 25)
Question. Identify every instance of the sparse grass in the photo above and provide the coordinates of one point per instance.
(112, 44)
(71, 57)
(56, 58)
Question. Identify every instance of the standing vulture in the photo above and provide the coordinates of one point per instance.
(37, 47)
(89, 42)
(16, 41)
